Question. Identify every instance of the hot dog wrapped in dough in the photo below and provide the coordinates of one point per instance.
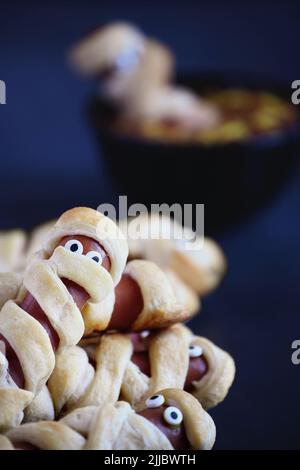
(124, 61)
(171, 104)
(137, 365)
(174, 357)
(170, 420)
(79, 265)
(143, 299)
(111, 53)
(199, 263)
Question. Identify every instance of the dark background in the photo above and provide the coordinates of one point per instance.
(49, 162)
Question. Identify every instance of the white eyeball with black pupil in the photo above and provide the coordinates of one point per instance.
(74, 246)
(145, 334)
(155, 401)
(173, 415)
(95, 256)
(195, 351)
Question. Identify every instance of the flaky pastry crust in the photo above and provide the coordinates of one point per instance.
(12, 245)
(116, 375)
(118, 427)
(161, 307)
(43, 280)
(46, 435)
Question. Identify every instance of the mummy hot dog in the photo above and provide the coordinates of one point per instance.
(173, 105)
(108, 47)
(201, 267)
(143, 299)
(111, 53)
(137, 365)
(172, 419)
(124, 60)
(175, 358)
(81, 261)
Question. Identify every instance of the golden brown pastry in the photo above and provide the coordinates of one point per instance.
(184, 293)
(10, 284)
(76, 383)
(41, 408)
(143, 299)
(82, 260)
(202, 269)
(172, 419)
(174, 357)
(12, 245)
(37, 237)
(43, 435)
(199, 263)
(137, 365)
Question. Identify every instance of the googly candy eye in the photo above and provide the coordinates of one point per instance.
(195, 351)
(145, 334)
(173, 415)
(74, 246)
(95, 256)
(155, 401)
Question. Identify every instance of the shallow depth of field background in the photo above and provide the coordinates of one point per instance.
(49, 162)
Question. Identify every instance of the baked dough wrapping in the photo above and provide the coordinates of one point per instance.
(161, 307)
(118, 427)
(75, 383)
(43, 280)
(201, 264)
(43, 435)
(169, 356)
(12, 245)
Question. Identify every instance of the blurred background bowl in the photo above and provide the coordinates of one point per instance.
(232, 179)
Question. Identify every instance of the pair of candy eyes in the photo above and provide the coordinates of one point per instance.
(171, 414)
(75, 246)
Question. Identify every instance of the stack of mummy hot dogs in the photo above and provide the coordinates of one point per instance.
(93, 352)
(135, 75)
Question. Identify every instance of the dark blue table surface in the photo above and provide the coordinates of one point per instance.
(49, 162)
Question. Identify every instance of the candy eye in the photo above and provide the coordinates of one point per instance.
(145, 334)
(155, 401)
(74, 246)
(95, 256)
(173, 415)
(195, 351)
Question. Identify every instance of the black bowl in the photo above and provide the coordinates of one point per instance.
(232, 179)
